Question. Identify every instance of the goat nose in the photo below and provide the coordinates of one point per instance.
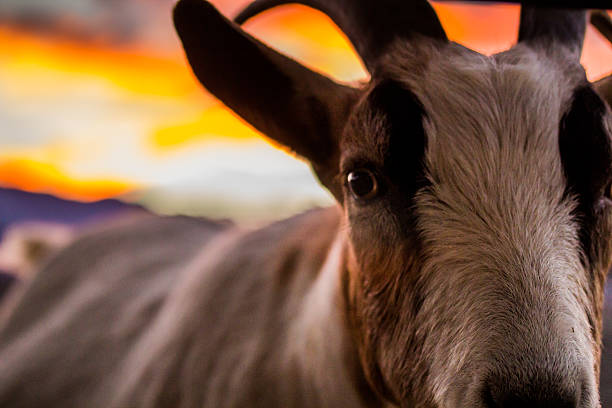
(507, 393)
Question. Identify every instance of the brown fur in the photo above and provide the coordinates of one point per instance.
(470, 277)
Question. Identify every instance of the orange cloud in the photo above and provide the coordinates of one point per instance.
(133, 69)
(31, 175)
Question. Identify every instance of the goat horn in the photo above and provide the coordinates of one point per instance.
(543, 26)
(603, 23)
(370, 25)
(604, 88)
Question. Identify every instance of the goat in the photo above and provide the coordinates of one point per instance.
(463, 265)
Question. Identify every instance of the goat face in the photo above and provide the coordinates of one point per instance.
(474, 191)
(483, 285)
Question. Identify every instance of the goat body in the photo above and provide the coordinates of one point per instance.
(143, 326)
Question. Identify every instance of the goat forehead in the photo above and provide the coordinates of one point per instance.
(490, 120)
(492, 128)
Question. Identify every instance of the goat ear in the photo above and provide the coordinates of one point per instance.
(291, 104)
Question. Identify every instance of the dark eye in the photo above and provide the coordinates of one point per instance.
(363, 184)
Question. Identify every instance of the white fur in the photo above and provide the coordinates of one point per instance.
(499, 235)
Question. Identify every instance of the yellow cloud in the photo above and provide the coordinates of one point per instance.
(214, 123)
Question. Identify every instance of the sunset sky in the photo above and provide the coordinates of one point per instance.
(96, 101)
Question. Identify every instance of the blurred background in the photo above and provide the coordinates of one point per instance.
(97, 102)
(100, 114)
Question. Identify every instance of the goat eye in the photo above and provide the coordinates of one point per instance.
(363, 184)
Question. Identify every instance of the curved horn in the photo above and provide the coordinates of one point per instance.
(370, 25)
(543, 26)
(603, 23)
(604, 88)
